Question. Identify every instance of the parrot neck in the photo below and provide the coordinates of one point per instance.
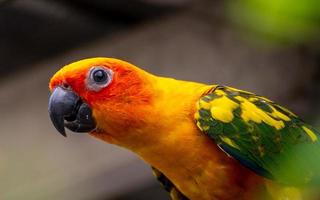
(143, 124)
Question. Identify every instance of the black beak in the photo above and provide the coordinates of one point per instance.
(66, 109)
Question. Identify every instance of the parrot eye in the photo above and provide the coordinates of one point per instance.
(98, 78)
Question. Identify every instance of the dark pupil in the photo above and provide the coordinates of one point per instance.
(99, 76)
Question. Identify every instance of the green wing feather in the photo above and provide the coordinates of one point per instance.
(261, 135)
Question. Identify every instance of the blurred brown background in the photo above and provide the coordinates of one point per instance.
(268, 47)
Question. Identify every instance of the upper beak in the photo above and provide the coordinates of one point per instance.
(66, 109)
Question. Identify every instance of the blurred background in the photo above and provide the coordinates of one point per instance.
(268, 47)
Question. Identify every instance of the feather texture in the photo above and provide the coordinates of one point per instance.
(260, 134)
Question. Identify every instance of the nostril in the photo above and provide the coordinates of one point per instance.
(65, 85)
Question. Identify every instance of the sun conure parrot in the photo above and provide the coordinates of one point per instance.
(202, 141)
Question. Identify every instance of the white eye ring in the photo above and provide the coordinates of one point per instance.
(98, 77)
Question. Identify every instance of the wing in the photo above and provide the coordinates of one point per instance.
(175, 194)
(261, 135)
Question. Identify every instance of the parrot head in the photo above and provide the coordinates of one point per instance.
(99, 95)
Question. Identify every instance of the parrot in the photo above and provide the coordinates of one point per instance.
(202, 141)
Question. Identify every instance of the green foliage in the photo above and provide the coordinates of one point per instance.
(284, 21)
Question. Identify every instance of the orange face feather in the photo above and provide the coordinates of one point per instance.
(117, 107)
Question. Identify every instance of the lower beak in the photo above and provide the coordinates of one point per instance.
(66, 109)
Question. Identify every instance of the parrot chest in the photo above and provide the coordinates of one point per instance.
(197, 169)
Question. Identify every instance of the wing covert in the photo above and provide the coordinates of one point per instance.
(261, 135)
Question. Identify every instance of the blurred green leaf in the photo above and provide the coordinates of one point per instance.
(283, 21)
